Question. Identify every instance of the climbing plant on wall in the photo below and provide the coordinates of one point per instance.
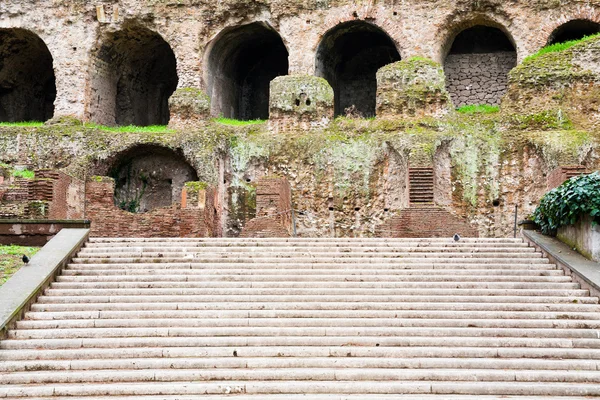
(567, 203)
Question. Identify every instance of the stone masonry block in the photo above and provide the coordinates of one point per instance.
(412, 88)
(299, 101)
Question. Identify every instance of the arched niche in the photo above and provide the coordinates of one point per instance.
(27, 81)
(477, 65)
(134, 72)
(348, 57)
(148, 177)
(574, 30)
(240, 64)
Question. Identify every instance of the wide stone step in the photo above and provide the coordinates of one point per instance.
(520, 354)
(298, 387)
(328, 362)
(312, 285)
(566, 307)
(300, 374)
(79, 333)
(293, 241)
(252, 267)
(323, 397)
(289, 279)
(331, 314)
(302, 341)
(103, 252)
(84, 271)
(281, 322)
(300, 256)
(434, 297)
(275, 246)
(360, 291)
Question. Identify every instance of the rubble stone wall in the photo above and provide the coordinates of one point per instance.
(478, 78)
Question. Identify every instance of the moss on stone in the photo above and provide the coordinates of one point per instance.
(300, 94)
(195, 187)
(557, 69)
(415, 88)
(189, 103)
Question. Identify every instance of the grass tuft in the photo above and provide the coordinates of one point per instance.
(10, 260)
(237, 122)
(556, 47)
(25, 124)
(131, 128)
(478, 109)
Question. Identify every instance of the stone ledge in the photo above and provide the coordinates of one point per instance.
(583, 271)
(35, 232)
(19, 292)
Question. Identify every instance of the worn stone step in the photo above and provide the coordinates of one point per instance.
(104, 252)
(303, 341)
(210, 314)
(361, 291)
(539, 355)
(456, 284)
(73, 333)
(299, 374)
(327, 362)
(292, 241)
(435, 297)
(296, 387)
(324, 397)
(274, 246)
(300, 256)
(330, 279)
(566, 307)
(84, 271)
(282, 322)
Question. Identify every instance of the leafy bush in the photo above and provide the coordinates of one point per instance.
(564, 205)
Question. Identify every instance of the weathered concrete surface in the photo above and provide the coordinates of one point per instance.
(24, 287)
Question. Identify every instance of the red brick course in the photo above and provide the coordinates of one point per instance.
(273, 209)
(562, 173)
(110, 221)
(425, 222)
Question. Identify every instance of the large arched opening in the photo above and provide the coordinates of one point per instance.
(27, 81)
(574, 30)
(348, 57)
(478, 64)
(134, 73)
(148, 177)
(241, 63)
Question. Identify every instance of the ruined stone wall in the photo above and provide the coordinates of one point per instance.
(110, 221)
(478, 78)
(73, 31)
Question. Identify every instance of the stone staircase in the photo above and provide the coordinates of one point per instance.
(421, 185)
(306, 319)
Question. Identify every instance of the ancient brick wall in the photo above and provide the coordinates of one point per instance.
(478, 78)
(273, 209)
(424, 222)
(110, 221)
(562, 173)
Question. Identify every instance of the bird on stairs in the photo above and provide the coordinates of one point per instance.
(25, 259)
(456, 237)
